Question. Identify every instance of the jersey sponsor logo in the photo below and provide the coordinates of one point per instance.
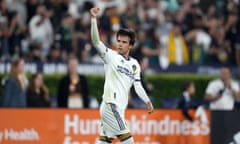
(125, 71)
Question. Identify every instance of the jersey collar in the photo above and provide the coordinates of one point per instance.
(128, 58)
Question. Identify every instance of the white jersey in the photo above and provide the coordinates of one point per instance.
(226, 102)
(120, 75)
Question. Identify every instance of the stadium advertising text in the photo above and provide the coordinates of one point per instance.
(19, 135)
(62, 126)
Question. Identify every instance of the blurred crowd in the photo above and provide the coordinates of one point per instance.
(72, 91)
(169, 31)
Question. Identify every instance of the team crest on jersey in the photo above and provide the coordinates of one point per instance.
(134, 68)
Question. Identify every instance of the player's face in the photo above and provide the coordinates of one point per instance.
(123, 45)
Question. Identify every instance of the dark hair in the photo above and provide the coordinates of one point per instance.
(32, 84)
(127, 32)
(226, 67)
(43, 88)
(186, 85)
(12, 15)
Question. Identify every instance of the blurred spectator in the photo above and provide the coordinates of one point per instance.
(73, 88)
(16, 33)
(67, 21)
(137, 50)
(14, 93)
(198, 41)
(165, 24)
(180, 19)
(151, 47)
(37, 92)
(81, 44)
(148, 46)
(11, 32)
(41, 30)
(105, 23)
(130, 17)
(185, 102)
(54, 55)
(237, 47)
(4, 47)
(54, 12)
(172, 5)
(219, 49)
(211, 12)
(31, 6)
(110, 23)
(192, 13)
(149, 14)
(222, 92)
(34, 54)
(232, 31)
(4, 8)
(66, 33)
(174, 48)
(231, 6)
(199, 44)
(20, 8)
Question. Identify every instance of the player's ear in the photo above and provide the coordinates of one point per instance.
(130, 46)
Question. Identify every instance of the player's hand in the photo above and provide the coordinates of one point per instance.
(94, 12)
(150, 107)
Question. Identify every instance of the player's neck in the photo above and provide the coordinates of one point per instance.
(126, 55)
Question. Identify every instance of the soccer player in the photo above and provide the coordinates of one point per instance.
(121, 72)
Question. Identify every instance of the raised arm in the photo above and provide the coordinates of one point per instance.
(105, 53)
(94, 29)
(101, 48)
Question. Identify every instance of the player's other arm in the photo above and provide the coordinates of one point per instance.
(143, 95)
(140, 90)
(94, 32)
